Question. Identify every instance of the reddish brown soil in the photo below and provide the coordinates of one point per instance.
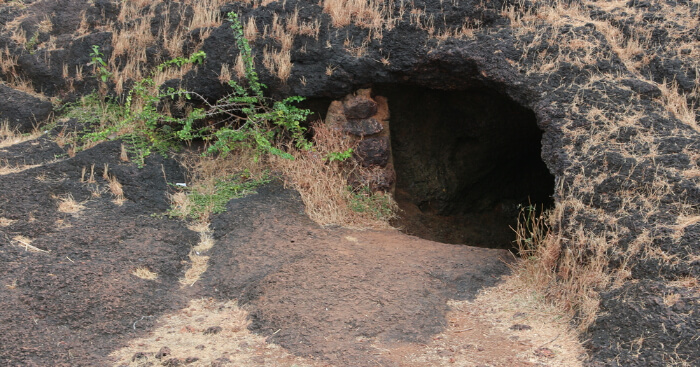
(330, 294)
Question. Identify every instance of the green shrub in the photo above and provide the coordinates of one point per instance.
(246, 118)
(379, 204)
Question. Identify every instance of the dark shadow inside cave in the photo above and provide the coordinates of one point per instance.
(466, 162)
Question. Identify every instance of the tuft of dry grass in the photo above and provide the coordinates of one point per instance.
(5, 222)
(570, 273)
(144, 273)
(198, 262)
(206, 241)
(676, 103)
(225, 73)
(198, 265)
(372, 14)
(323, 185)
(277, 62)
(10, 136)
(67, 204)
(123, 155)
(8, 62)
(116, 189)
(250, 32)
(26, 242)
(6, 169)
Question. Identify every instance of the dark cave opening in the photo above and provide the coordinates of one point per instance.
(466, 162)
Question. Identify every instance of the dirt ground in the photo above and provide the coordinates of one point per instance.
(90, 280)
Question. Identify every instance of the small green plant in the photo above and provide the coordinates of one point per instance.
(248, 118)
(339, 156)
(202, 201)
(97, 61)
(94, 110)
(138, 121)
(31, 44)
(196, 58)
(363, 200)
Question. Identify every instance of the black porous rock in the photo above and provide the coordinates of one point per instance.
(360, 108)
(163, 352)
(643, 88)
(22, 111)
(212, 330)
(364, 127)
(374, 151)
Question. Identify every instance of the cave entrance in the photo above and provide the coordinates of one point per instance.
(466, 162)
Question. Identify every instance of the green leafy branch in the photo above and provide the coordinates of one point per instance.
(100, 65)
(339, 156)
(196, 58)
(246, 117)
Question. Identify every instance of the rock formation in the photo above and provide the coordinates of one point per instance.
(613, 87)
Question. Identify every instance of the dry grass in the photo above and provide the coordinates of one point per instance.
(677, 104)
(355, 50)
(144, 273)
(278, 62)
(198, 265)
(570, 274)
(8, 62)
(204, 172)
(26, 243)
(91, 178)
(250, 32)
(184, 332)
(114, 186)
(67, 204)
(323, 184)
(198, 261)
(225, 72)
(372, 14)
(5, 222)
(206, 241)
(123, 155)
(10, 136)
(6, 169)
(128, 59)
(239, 67)
(206, 13)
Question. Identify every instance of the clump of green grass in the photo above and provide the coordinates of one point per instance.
(379, 204)
(201, 200)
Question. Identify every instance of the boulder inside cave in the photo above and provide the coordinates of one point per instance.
(466, 161)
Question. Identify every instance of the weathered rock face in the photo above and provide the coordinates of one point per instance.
(621, 144)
